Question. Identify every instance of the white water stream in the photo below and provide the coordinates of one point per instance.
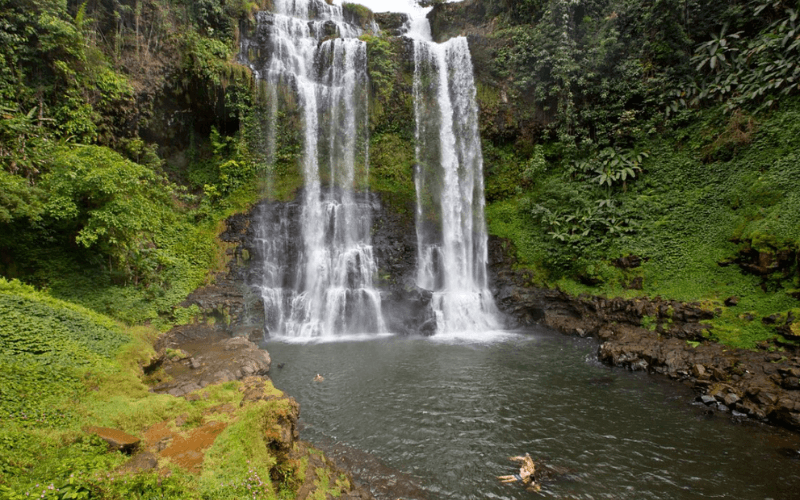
(317, 54)
(451, 228)
(323, 284)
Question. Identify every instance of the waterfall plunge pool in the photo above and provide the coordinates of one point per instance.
(437, 418)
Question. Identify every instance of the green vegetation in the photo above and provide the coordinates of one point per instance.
(392, 123)
(612, 129)
(242, 451)
(127, 134)
(686, 219)
(357, 14)
(91, 210)
(57, 358)
(65, 367)
(646, 139)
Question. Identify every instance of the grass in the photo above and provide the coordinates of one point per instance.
(67, 367)
(239, 460)
(690, 213)
(392, 172)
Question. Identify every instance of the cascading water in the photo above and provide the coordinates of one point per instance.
(451, 229)
(322, 285)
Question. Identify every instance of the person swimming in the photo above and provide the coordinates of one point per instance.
(526, 472)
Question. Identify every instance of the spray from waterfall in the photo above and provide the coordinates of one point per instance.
(322, 285)
(451, 228)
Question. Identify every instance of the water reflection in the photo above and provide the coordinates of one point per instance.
(446, 412)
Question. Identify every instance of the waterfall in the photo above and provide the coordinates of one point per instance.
(451, 228)
(321, 285)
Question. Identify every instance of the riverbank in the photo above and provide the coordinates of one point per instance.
(665, 337)
(94, 408)
(219, 348)
(662, 337)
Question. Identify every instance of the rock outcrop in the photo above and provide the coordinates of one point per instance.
(115, 438)
(210, 360)
(392, 23)
(235, 299)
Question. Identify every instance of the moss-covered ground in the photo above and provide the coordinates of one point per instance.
(64, 367)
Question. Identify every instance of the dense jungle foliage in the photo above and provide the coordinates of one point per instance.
(662, 134)
(114, 172)
(631, 148)
(128, 132)
(122, 148)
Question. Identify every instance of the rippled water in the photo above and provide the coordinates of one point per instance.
(438, 417)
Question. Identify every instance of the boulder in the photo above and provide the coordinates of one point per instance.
(253, 333)
(732, 301)
(116, 439)
(707, 400)
(731, 399)
(699, 370)
(139, 463)
(393, 23)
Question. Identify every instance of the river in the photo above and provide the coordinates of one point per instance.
(438, 418)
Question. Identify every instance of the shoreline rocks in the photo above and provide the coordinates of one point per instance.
(220, 345)
(762, 385)
(211, 361)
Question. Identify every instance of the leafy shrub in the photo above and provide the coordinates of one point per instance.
(746, 71)
(112, 205)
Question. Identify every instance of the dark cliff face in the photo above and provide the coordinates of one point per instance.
(459, 19)
(392, 23)
(405, 307)
(507, 116)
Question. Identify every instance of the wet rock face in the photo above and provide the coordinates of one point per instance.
(755, 384)
(405, 307)
(407, 310)
(526, 305)
(212, 358)
(392, 23)
(449, 20)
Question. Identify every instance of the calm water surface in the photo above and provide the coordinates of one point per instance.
(438, 418)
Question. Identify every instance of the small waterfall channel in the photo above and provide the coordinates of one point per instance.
(451, 228)
(322, 284)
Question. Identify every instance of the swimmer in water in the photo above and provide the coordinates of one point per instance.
(525, 475)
